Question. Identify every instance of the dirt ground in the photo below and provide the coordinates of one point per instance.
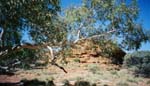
(101, 74)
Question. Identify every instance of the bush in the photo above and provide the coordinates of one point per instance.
(24, 56)
(93, 68)
(121, 83)
(82, 83)
(77, 60)
(112, 51)
(138, 62)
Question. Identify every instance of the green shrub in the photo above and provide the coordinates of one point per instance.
(93, 68)
(25, 56)
(36, 82)
(121, 83)
(82, 83)
(132, 80)
(138, 62)
(148, 82)
(113, 72)
(112, 50)
(77, 60)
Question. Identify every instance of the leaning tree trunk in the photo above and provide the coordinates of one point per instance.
(4, 51)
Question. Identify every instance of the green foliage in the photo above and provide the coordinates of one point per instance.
(100, 16)
(132, 80)
(82, 83)
(93, 17)
(25, 56)
(93, 68)
(77, 60)
(112, 51)
(107, 47)
(148, 82)
(36, 82)
(139, 62)
(67, 52)
(39, 16)
(39, 12)
(113, 72)
(122, 84)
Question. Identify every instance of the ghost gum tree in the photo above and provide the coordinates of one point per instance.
(41, 19)
(39, 16)
(97, 18)
(93, 19)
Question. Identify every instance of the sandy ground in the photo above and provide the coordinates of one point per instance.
(105, 74)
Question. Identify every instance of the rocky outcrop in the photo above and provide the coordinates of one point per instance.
(88, 50)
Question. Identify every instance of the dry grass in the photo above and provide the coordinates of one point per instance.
(91, 72)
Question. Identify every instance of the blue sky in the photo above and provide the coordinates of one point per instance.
(145, 18)
(144, 14)
(67, 3)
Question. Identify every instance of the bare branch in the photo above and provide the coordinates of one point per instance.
(51, 51)
(53, 61)
(79, 31)
(62, 68)
(7, 50)
(96, 36)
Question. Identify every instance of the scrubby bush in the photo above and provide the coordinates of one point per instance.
(148, 82)
(121, 83)
(138, 62)
(112, 51)
(93, 68)
(77, 60)
(25, 57)
(82, 83)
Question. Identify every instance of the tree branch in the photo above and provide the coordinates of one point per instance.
(96, 36)
(1, 34)
(6, 50)
(53, 61)
(79, 31)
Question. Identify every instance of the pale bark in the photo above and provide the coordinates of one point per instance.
(95, 36)
(1, 34)
(51, 51)
(53, 61)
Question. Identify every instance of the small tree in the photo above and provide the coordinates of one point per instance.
(138, 62)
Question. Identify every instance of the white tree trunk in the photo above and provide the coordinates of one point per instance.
(1, 34)
(51, 51)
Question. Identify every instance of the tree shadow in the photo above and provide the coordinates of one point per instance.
(34, 82)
